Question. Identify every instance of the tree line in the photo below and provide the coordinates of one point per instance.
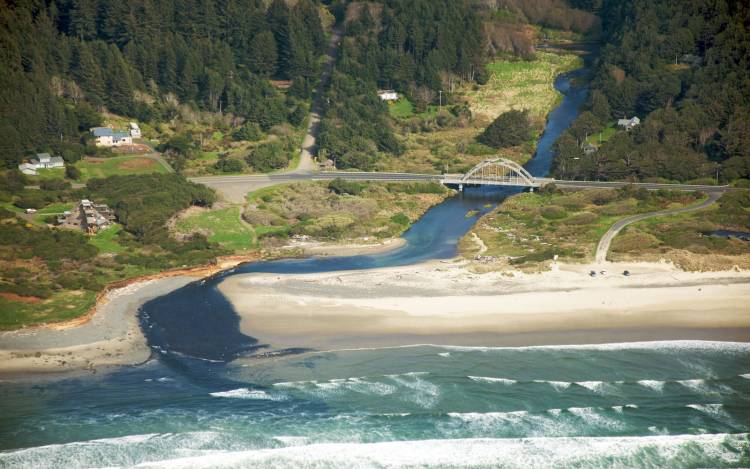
(684, 70)
(413, 46)
(63, 60)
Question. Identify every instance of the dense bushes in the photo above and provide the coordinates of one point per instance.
(268, 157)
(681, 67)
(507, 130)
(341, 186)
(144, 203)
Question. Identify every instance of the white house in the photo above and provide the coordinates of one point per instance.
(42, 161)
(628, 124)
(388, 95)
(106, 137)
(135, 131)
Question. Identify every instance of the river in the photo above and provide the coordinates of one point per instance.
(664, 404)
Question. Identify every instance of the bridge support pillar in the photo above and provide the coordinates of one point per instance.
(460, 188)
(531, 189)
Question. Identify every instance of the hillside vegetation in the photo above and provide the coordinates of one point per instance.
(527, 230)
(682, 68)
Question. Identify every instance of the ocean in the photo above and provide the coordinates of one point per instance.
(204, 400)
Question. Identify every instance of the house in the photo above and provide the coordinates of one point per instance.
(135, 131)
(628, 124)
(388, 95)
(42, 161)
(94, 217)
(28, 169)
(588, 148)
(106, 137)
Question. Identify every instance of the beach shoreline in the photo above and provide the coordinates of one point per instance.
(420, 304)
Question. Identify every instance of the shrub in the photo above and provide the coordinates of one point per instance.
(509, 129)
(400, 218)
(416, 188)
(250, 132)
(71, 172)
(54, 185)
(553, 212)
(341, 186)
(229, 165)
(268, 157)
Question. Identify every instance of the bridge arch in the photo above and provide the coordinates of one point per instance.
(500, 170)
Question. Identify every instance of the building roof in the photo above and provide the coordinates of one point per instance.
(102, 131)
(56, 159)
(43, 156)
(133, 125)
(120, 135)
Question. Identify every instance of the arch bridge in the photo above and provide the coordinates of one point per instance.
(495, 172)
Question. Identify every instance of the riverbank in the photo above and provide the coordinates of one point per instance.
(108, 335)
(445, 303)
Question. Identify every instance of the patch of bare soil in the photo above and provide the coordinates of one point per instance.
(19, 298)
(137, 163)
(134, 148)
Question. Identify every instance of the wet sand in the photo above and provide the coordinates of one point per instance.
(445, 303)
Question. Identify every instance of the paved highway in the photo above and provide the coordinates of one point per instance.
(235, 188)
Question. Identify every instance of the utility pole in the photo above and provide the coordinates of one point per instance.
(440, 94)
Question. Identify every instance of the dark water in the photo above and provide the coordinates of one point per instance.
(668, 404)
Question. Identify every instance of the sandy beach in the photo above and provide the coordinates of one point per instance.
(445, 303)
(313, 248)
(111, 337)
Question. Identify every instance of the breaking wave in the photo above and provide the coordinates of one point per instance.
(580, 452)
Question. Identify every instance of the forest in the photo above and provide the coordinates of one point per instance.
(63, 61)
(683, 68)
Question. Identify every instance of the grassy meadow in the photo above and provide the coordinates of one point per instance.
(223, 226)
(513, 84)
(529, 229)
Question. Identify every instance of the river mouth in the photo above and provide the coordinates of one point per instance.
(654, 404)
(198, 323)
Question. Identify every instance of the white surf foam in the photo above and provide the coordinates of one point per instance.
(652, 384)
(583, 452)
(489, 379)
(558, 385)
(746, 376)
(713, 410)
(444, 354)
(697, 385)
(599, 387)
(592, 416)
(245, 393)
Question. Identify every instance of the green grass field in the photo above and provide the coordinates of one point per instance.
(404, 109)
(60, 307)
(520, 84)
(106, 241)
(223, 226)
(103, 167)
(604, 135)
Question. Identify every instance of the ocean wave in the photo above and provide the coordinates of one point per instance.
(558, 385)
(599, 387)
(712, 410)
(583, 452)
(663, 345)
(119, 451)
(593, 416)
(652, 384)
(489, 379)
(245, 393)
